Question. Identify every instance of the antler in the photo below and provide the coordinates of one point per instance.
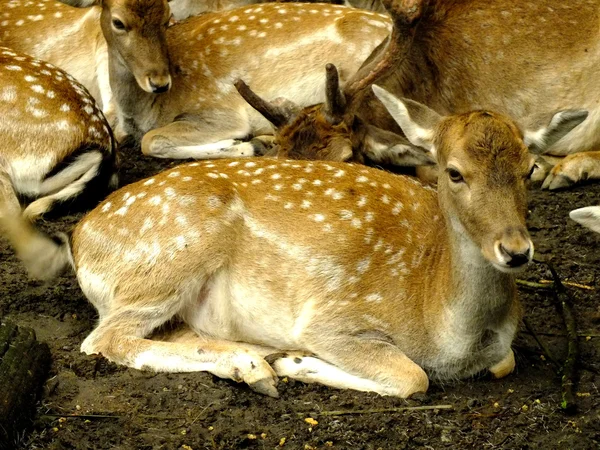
(405, 15)
(274, 114)
(335, 101)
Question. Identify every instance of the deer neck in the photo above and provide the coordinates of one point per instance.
(479, 296)
(134, 105)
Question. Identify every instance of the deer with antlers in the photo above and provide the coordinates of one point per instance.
(380, 284)
(173, 88)
(323, 132)
(435, 55)
(56, 144)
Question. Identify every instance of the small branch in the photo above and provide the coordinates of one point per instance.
(377, 410)
(569, 283)
(532, 284)
(569, 370)
(545, 350)
(548, 284)
(580, 334)
(83, 416)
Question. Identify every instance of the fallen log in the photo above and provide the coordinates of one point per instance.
(24, 365)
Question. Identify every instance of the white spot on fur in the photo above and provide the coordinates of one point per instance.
(363, 265)
(397, 208)
(155, 200)
(376, 297)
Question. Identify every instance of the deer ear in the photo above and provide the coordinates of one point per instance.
(560, 125)
(417, 121)
(588, 217)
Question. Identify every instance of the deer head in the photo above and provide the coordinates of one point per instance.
(484, 164)
(135, 33)
(328, 131)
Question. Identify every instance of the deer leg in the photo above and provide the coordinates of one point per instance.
(504, 367)
(120, 337)
(357, 363)
(201, 137)
(66, 184)
(9, 202)
(310, 369)
(573, 169)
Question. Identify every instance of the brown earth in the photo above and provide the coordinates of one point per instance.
(89, 403)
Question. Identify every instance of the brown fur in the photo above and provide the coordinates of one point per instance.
(312, 136)
(524, 60)
(56, 145)
(377, 276)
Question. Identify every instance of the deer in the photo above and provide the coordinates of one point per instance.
(182, 9)
(171, 88)
(322, 132)
(57, 146)
(435, 55)
(381, 284)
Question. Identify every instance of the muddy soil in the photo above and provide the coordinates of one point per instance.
(89, 403)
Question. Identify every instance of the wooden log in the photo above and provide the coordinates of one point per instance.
(24, 365)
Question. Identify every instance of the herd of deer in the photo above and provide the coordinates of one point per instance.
(382, 282)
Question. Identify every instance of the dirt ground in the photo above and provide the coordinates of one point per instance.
(89, 403)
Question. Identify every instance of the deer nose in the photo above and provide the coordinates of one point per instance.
(515, 258)
(160, 84)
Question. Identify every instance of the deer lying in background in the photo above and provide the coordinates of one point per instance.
(198, 112)
(324, 132)
(55, 142)
(384, 282)
(182, 9)
(436, 55)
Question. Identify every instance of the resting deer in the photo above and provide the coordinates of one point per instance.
(182, 9)
(56, 144)
(436, 55)
(382, 281)
(324, 131)
(179, 82)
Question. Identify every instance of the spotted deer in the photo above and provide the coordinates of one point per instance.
(182, 9)
(436, 55)
(380, 284)
(56, 144)
(326, 132)
(173, 89)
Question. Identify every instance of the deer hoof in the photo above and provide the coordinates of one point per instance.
(555, 181)
(504, 367)
(266, 386)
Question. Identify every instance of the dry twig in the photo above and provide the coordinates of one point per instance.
(569, 368)
(377, 410)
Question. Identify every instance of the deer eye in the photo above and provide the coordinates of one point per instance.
(454, 175)
(535, 166)
(118, 25)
